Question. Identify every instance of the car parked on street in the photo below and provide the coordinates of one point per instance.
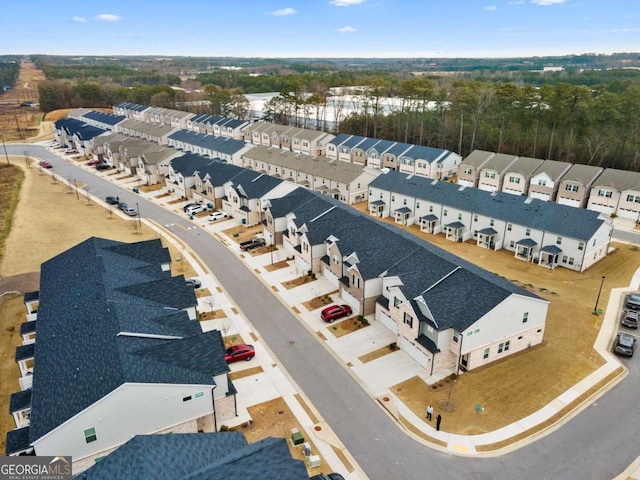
(252, 244)
(633, 301)
(44, 164)
(630, 318)
(132, 212)
(217, 216)
(625, 344)
(194, 282)
(199, 208)
(238, 352)
(111, 200)
(103, 166)
(123, 205)
(94, 162)
(334, 312)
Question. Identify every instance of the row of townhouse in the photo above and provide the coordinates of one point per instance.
(545, 233)
(345, 182)
(610, 191)
(113, 349)
(226, 149)
(404, 157)
(285, 137)
(447, 314)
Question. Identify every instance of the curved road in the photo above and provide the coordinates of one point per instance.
(597, 444)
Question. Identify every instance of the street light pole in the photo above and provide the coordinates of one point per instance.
(76, 185)
(5, 150)
(595, 309)
(138, 212)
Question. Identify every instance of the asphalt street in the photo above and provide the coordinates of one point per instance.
(597, 444)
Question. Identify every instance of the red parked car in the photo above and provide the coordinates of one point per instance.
(46, 165)
(93, 163)
(334, 312)
(239, 352)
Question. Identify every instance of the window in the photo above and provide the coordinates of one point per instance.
(455, 336)
(355, 281)
(199, 394)
(490, 174)
(404, 202)
(430, 208)
(542, 183)
(475, 218)
(633, 198)
(528, 232)
(581, 246)
(525, 317)
(500, 347)
(444, 212)
(408, 320)
(605, 193)
(512, 244)
(520, 337)
(467, 171)
(564, 259)
(186, 399)
(509, 226)
(539, 330)
(559, 241)
(492, 222)
(90, 435)
(506, 345)
(571, 260)
(476, 330)
(486, 353)
(514, 180)
(417, 204)
(393, 198)
(571, 188)
(459, 216)
(396, 302)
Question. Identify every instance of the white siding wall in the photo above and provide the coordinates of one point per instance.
(130, 410)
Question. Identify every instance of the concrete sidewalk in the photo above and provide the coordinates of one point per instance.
(377, 376)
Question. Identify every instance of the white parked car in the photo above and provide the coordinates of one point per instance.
(193, 209)
(217, 216)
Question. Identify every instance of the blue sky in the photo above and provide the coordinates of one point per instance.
(320, 28)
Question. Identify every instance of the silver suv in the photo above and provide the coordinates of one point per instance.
(630, 319)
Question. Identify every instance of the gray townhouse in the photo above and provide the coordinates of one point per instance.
(545, 181)
(105, 121)
(342, 181)
(230, 128)
(517, 177)
(576, 184)
(223, 148)
(616, 192)
(118, 352)
(133, 155)
(210, 181)
(76, 134)
(429, 162)
(180, 179)
(149, 131)
(153, 165)
(469, 169)
(131, 110)
(545, 233)
(247, 194)
(339, 148)
(448, 315)
(111, 148)
(491, 175)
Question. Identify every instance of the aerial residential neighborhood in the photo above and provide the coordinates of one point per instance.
(334, 264)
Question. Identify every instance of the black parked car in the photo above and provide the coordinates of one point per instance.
(103, 166)
(122, 206)
(113, 200)
(625, 344)
(253, 243)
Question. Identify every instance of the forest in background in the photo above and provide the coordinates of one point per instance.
(585, 110)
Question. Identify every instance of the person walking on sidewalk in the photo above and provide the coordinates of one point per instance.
(429, 412)
(438, 420)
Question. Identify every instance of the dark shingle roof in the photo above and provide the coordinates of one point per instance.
(31, 296)
(98, 309)
(189, 163)
(17, 440)
(106, 118)
(551, 217)
(20, 400)
(199, 456)
(28, 327)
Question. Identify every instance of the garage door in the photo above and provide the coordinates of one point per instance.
(329, 275)
(351, 300)
(414, 352)
(387, 321)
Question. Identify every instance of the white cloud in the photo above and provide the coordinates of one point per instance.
(346, 3)
(547, 2)
(78, 19)
(346, 29)
(491, 8)
(516, 2)
(107, 17)
(283, 11)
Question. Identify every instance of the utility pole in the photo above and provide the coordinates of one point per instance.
(5, 150)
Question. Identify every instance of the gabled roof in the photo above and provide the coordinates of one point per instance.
(281, 206)
(553, 169)
(219, 173)
(340, 139)
(620, 180)
(423, 152)
(525, 166)
(250, 184)
(97, 313)
(20, 400)
(477, 158)
(17, 440)
(199, 456)
(210, 142)
(582, 174)
(499, 162)
(106, 118)
(551, 217)
(189, 163)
